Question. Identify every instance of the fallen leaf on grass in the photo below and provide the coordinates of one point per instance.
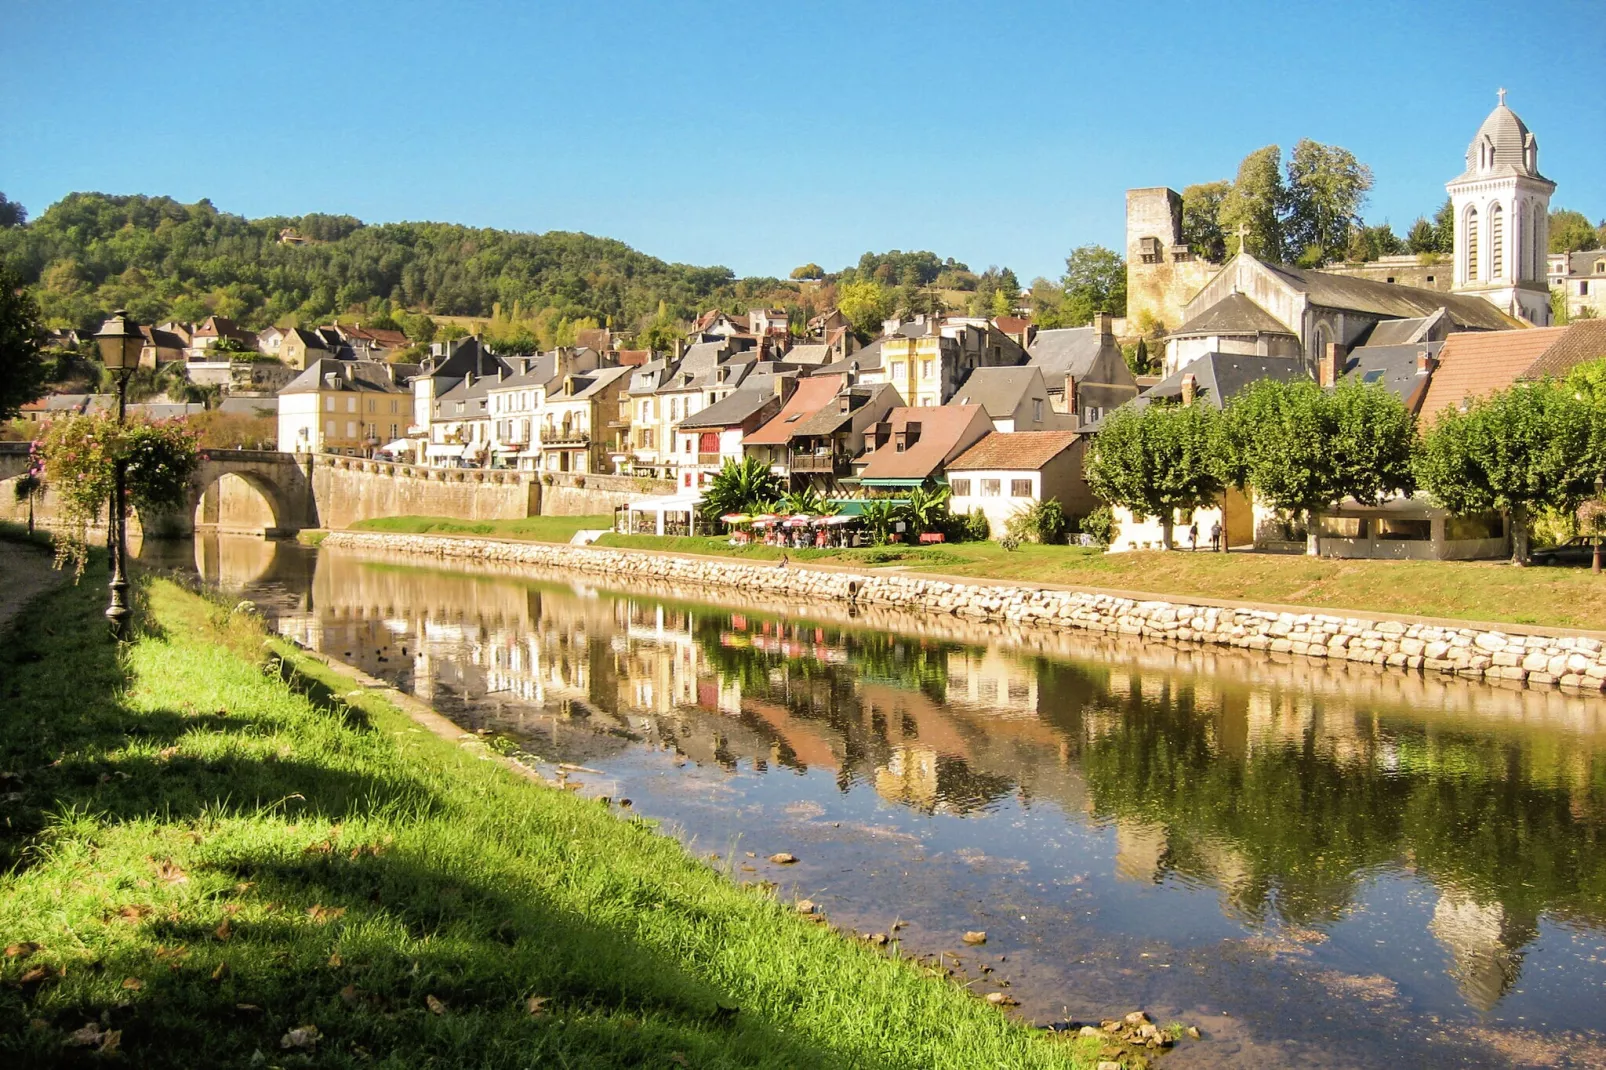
(86, 1037)
(350, 995)
(320, 913)
(224, 931)
(334, 960)
(166, 753)
(302, 1036)
(133, 912)
(435, 1006)
(22, 950)
(678, 1059)
(536, 1004)
(169, 872)
(37, 974)
(221, 972)
(133, 984)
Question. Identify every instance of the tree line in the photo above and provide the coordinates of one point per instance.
(1303, 450)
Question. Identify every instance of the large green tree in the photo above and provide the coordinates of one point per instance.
(1201, 219)
(1255, 204)
(1156, 460)
(1303, 449)
(22, 367)
(865, 303)
(1531, 447)
(1571, 231)
(1094, 281)
(1326, 187)
(12, 214)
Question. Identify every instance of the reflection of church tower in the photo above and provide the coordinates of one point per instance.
(1485, 945)
(1502, 211)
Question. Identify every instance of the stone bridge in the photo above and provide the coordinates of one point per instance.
(284, 480)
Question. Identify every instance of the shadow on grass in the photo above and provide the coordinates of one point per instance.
(396, 957)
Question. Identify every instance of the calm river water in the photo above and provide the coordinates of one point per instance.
(1318, 867)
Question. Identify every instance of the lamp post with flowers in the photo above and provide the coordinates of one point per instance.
(120, 341)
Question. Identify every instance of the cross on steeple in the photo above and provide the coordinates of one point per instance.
(1243, 237)
(1502, 93)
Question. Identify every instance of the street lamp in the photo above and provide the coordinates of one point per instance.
(120, 341)
(1594, 522)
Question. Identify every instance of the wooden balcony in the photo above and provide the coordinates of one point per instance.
(835, 464)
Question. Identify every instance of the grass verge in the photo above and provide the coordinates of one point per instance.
(206, 864)
(1463, 590)
(534, 528)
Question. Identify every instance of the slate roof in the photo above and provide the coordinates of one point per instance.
(695, 367)
(943, 432)
(867, 358)
(1395, 367)
(732, 409)
(998, 390)
(830, 418)
(809, 353)
(1401, 331)
(810, 395)
(1233, 314)
(1065, 351)
(1221, 376)
(1585, 340)
(1510, 137)
(591, 383)
(1474, 365)
(1390, 300)
(1583, 263)
(249, 406)
(361, 375)
(1025, 451)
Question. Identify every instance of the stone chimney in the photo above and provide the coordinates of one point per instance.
(1190, 388)
(680, 348)
(1103, 325)
(852, 376)
(468, 379)
(1327, 364)
(1071, 405)
(1425, 362)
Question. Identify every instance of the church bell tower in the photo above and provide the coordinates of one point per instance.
(1502, 212)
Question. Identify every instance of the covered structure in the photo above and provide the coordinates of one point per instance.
(673, 514)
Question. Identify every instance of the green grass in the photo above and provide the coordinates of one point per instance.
(1464, 590)
(534, 528)
(210, 858)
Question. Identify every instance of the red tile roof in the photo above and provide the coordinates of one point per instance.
(811, 395)
(945, 430)
(1025, 451)
(1474, 364)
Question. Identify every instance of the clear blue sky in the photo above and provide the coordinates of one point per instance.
(762, 137)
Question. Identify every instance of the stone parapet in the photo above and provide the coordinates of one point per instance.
(1572, 662)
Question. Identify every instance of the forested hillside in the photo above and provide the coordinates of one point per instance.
(161, 259)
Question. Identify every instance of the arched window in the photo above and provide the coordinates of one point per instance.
(1472, 244)
(1497, 242)
(1320, 340)
(1539, 243)
(1520, 239)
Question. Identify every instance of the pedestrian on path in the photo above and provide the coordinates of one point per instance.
(1215, 535)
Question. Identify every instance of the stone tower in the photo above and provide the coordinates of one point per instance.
(1502, 211)
(1162, 274)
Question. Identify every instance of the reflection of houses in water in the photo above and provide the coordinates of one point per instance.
(1140, 851)
(1485, 944)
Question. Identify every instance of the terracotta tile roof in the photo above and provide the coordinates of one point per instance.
(945, 430)
(1012, 324)
(1473, 364)
(634, 358)
(1025, 451)
(811, 394)
(1584, 341)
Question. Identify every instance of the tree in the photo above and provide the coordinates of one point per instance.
(745, 486)
(1588, 381)
(1255, 204)
(1304, 449)
(1422, 237)
(1444, 227)
(808, 271)
(22, 365)
(865, 303)
(1369, 243)
(1531, 447)
(1002, 304)
(12, 214)
(1201, 219)
(1156, 460)
(1047, 303)
(1094, 281)
(1571, 231)
(1326, 187)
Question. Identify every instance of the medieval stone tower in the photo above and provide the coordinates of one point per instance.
(1502, 211)
(1162, 274)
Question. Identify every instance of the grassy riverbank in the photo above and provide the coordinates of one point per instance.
(534, 528)
(207, 866)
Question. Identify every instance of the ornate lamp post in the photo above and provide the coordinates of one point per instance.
(120, 342)
(1594, 522)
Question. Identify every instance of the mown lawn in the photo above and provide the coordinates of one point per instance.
(1465, 590)
(534, 528)
(205, 865)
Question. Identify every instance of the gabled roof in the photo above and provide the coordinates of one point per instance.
(1233, 314)
(1025, 451)
(634, 358)
(469, 356)
(809, 353)
(1583, 341)
(695, 367)
(1398, 368)
(732, 409)
(1403, 331)
(1012, 324)
(830, 417)
(359, 375)
(310, 339)
(811, 394)
(588, 384)
(1219, 377)
(1583, 263)
(1388, 299)
(161, 339)
(1474, 365)
(1065, 351)
(867, 358)
(945, 430)
(999, 390)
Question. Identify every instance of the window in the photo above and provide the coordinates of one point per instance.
(897, 369)
(328, 404)
(1497, 242)
(351, 404)
(351, 428)
(1583, 288)
(329, 428)
(990, 488)
(1020, 488)
(926, 367)
(1150, 250)
(960, 487)
(1472, 245)
(393, 409)
(1037, 410)
(393, 432)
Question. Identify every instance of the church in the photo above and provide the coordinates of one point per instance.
(1496, 279)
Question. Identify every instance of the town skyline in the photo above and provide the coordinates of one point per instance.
(724, 186)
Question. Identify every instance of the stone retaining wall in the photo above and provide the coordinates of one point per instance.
(1574, 662)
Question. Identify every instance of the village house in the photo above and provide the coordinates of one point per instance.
(771, 442)
(339, 406)
(822, 446)
(914, 444)
(1473, 366)
(299, 348)
(926, 358)
(1083, 369)
(449, 364)
(643, 457)
(1016, 399)
(160, 348)
(575, 412)
(712, 437)
(1007, 473)
(1581, 277)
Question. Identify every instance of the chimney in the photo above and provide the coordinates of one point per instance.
(1425, 363)
(468, 379)
(1327, 365)
(501, 372)
(526, 363)
(1190, 388)
(852, 377)
(680, 348)
(1103, 325)
(1071, 405)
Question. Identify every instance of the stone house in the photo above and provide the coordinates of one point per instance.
(1016, 399)
(574, 419)
(915, 443)
(160, 347)
(1083, 370)
(822, 446)
(298, 348)
(1473, 366)
(712, 437)
(771, 442)
(1582, 279)
(926, 359)
(339, 406)
(1007, 473)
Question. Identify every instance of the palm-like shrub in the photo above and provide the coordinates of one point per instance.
(927, 510)
(745, 486)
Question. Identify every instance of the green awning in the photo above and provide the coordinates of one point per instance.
(870, 482)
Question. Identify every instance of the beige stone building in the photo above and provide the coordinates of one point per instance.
(342, 406)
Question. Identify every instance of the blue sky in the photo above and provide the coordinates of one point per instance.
(762, 137)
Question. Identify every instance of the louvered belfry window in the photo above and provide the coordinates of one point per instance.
(1497, 242)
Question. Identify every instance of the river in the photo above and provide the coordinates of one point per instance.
(1317, 868)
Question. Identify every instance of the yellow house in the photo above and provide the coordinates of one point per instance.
(343, 406)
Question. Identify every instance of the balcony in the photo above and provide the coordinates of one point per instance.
(556, 436)
(715, 459)
(835, 464)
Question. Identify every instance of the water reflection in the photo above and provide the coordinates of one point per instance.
(1291, 794)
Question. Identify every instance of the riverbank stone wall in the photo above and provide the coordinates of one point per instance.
(1574, 662)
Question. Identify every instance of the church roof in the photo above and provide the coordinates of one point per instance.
(1234, 314)
(1500, 147)
(1390, 300)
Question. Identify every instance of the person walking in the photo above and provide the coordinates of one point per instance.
(1193, 536)
(1215, 535)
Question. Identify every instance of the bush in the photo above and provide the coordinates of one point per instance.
(1042, 522)
(975, 526)
(1100, 524)
(547, 479)
(1010, 543)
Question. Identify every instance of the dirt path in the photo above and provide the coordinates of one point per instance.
(25, 571)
